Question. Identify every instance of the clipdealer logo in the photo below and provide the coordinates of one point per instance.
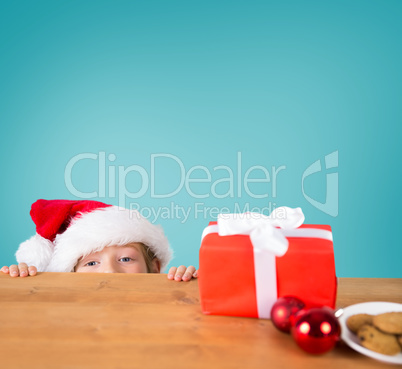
(236, 181)
(331, 204)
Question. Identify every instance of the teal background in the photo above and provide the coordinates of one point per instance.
(283, 83)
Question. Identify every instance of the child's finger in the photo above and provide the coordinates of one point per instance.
(14, 272)
(172, 272)
(195, 274)
(5, 269)
(179, 273)
(32, 270)
(188, 274)
(23, 269)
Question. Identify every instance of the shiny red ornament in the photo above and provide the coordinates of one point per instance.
(316, 330)
(283, 311)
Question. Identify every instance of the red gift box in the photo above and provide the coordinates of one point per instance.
(230, 284)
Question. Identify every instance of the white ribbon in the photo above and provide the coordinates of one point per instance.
(268, 242)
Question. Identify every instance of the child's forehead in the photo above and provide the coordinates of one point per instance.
(116, 248)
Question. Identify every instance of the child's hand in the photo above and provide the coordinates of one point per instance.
(21, 270)
(182, 273)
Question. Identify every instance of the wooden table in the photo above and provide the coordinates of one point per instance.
(71, 320)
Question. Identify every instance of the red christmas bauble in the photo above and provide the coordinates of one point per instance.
(316, 330)
(283, 310)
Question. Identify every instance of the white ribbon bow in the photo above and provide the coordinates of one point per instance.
(262, 228)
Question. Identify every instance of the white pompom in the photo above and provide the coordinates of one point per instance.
(37, 251)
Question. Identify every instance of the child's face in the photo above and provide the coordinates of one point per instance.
(114, 259)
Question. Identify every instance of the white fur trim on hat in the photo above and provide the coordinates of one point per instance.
(91, 232)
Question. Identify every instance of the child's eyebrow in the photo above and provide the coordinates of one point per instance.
(135, 245)
(85, 258)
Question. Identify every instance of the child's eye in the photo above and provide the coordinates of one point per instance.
(91, 263)
(127, 259)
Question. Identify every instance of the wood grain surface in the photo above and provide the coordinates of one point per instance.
(74, 320)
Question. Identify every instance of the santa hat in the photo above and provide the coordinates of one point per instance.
(67, 230)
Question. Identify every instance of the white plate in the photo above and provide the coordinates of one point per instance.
(373, 308)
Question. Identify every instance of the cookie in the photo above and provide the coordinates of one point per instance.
(354, 322)
(375, 340)
(389, 322)
(400, 341)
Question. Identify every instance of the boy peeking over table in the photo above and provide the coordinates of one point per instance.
(93, 237)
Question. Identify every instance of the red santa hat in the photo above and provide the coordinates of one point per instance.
(67, 230)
